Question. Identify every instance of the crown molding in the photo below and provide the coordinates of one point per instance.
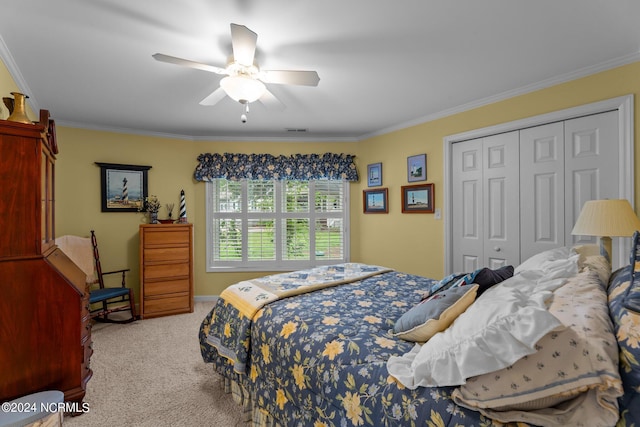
(17, 76)
(543, 84)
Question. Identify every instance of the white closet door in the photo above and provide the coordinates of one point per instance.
(591, 151)
(486, 203)
(501, 200)
(467, 185)
(565, 159)
(542, 188)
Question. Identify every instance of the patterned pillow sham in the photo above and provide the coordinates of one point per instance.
(581, 359)
(627, 329)
(590, 259)
(631, 299)
(434, 314)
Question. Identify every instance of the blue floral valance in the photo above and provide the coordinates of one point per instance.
(267, 166)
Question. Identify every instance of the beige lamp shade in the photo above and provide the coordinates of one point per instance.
(611, 218)
(606, 218)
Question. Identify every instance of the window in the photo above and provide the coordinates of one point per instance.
(276, 225)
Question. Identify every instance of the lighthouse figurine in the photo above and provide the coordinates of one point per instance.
(183, 209)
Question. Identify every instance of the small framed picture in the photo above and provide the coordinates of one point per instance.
(375, 201)
(417, 168)
(417, 198)
(124, 187)
(374, 175)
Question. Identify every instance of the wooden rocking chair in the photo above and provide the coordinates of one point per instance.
(103, 300)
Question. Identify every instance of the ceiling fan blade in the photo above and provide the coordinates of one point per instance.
(290, 77)
(215, 97)
(270, 101)
(243, 41)
(186, 63)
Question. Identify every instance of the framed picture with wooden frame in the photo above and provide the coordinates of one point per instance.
(375, 201)
(123, 187)
(418, 198)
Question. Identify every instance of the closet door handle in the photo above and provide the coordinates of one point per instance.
(497, 249)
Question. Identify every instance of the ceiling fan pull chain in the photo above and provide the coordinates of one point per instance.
(243, 116)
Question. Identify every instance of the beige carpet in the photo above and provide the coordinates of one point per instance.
(150, 373)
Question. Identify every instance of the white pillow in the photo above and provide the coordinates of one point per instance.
(545, 260)
(502, 326)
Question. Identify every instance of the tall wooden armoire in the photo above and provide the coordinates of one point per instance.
(45, 329)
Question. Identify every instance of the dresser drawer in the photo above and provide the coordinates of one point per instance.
(162, 271)
(180, 303)
(153, 255)
(84, 305)
(165, 237)
(164, 287)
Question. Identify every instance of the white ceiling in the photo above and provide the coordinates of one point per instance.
(383, 64)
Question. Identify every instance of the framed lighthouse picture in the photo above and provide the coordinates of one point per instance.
(418, 198)
(123, 187)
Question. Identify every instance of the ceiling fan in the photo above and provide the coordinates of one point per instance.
(244, 81)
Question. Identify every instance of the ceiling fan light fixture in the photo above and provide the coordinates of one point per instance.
(243, 88)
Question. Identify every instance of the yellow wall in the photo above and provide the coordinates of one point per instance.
(8, 85)
(415, 243)
(173, 162)
(408, 242)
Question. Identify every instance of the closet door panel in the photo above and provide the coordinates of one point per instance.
(591, 149)
(501, 200)
(467, 238)
(561, 166)
(542, 188)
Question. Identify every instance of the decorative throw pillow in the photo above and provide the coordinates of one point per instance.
(434, 314)
(444, 284)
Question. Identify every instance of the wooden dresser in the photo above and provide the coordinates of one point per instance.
(166, 269)
(45, 329)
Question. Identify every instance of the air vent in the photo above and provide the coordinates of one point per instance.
(296, 130)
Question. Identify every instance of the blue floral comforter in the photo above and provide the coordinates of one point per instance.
(319, 359)
(241, 302)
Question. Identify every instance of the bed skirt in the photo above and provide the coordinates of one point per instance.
(252, 414)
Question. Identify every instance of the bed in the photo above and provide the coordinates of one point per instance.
(549, 342)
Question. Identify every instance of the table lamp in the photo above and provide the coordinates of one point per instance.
(606, 219)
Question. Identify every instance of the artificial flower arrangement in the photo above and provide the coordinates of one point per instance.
(151, 204)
